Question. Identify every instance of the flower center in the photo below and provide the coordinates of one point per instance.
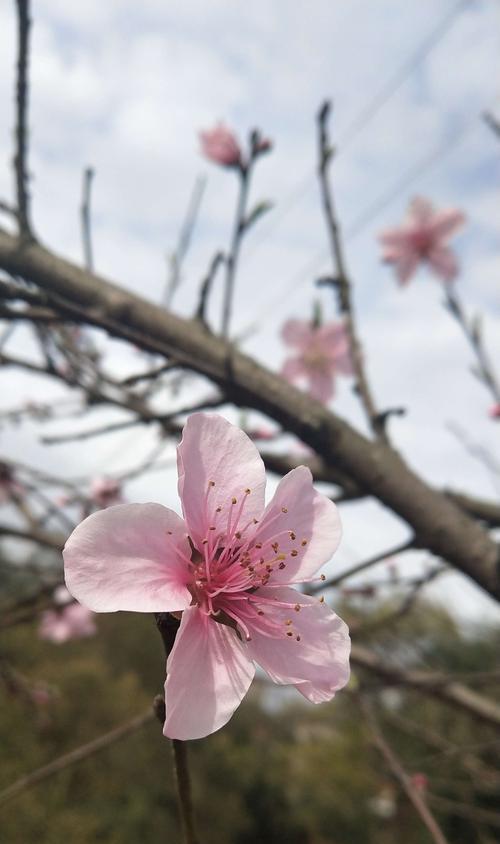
(232, 563)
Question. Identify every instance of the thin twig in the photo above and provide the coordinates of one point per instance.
(206, 287)
(237, 236)
(21, 131)
(365, 564)
(450, 692)
(186, 233)
(341, 281)
(472, 330)
(74, 756)
(85, 216)
(462, 810)
(402, 777)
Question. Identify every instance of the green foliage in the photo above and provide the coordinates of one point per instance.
(282, 770)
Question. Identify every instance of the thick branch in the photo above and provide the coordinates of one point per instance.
(438, 524)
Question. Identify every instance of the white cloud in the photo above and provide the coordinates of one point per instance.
(125, 87)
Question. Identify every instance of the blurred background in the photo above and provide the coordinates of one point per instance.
(125, 88)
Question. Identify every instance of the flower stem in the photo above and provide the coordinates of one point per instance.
(184, 791)
(168, 627)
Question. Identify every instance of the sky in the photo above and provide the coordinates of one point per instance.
(125, 88)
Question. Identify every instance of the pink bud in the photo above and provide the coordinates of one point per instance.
(221, 146)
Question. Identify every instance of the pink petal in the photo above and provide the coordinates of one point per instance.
(446, 223)
(406, 266)
(293, 368)
(217, 462)
(395, 239)
(442, 260)
(208, 674)
(321, 385)
(297, 510)
(421, 211)
(127, 558)
(319, 659)
(297, 332)
(221, 146)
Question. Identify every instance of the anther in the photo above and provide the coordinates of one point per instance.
(322, 577)
(297, 638)
(238, 534)
(234, 500)
(260, 612)
(258, 545)
(288, 621)
(247, 491)
(293, 553)
(204, 542)
(289, 633)
(211, 528)
(169, 532)
(255, 521)
(297, 607)
(218, 509)
(282, 566)
(211, 483)
(304, 542)
(322, 599)
(284, 509)
(292, 535)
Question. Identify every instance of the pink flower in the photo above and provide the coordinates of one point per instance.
(423, 237)
(495, 411)
(321, 353)
(71, 622)
(221, 146)
(228, 567)
(106, 492)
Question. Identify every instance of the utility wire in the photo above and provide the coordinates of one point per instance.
(313, 265)
(366, 115)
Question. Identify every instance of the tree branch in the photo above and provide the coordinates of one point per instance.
(439, 525)
(402, 777)
(452, 693)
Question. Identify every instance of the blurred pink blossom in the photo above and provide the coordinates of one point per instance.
(73, 621)
(227, 569)
(423, 237)
(419, 781)
(264, 434)
(106, 492)
(41, 695)
(221, 146)
(321, 354)
(495, 411)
